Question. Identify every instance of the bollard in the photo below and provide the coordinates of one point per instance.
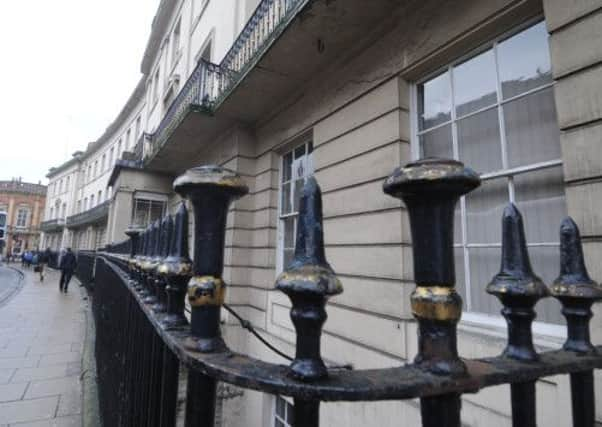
(430, 189)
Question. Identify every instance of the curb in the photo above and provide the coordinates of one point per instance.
(17, 288)
(90, 406)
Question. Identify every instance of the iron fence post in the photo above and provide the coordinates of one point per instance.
(211, 189)
(430, 189)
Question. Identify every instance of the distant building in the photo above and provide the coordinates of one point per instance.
(24, 204)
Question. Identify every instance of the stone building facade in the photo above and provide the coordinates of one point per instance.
(346, 91)
(23, 203)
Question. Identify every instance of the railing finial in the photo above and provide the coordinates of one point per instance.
(160, 283)
(517, 287)
(176, 270)
(309, 281)
(134, 234)
(575, 290)
(211, 190)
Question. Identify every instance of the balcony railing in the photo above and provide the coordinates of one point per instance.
(91, 216)
(209, 83)
(269, 17)
(199, 92)
(51, 225)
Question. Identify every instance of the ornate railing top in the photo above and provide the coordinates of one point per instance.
(161, 276)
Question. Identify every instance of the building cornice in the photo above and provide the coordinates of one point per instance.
(158, 28)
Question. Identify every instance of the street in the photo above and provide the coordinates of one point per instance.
(41, 341)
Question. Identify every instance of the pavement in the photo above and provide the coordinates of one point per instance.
(42, 333)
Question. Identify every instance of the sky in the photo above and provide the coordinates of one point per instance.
(67, 68)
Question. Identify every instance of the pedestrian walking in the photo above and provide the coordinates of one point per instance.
(67, 266)
(43, 260)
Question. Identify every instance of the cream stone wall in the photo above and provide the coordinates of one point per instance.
(358, 112)
(576, 40)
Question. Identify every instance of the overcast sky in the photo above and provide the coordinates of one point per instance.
(67, 68)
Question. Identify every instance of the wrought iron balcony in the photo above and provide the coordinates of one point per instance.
(210, 83)
(268, 20)
(95, 215)
(51, 225)
(198, 94)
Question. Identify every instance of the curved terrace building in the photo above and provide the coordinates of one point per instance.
(345, 91)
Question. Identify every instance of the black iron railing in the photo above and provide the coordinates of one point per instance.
(51, 225)
(144, 338)
(265, 24)
(85, 269)
(199, 92)
(98, 213)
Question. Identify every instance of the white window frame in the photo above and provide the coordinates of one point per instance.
(288, 403)
(470, 319)
(25, 220)
(305, 139)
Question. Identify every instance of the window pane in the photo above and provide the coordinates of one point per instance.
(289, 232)
(524, 61)
(479, 141)
(484, 208)
(298, 192)
(287, 257)
(540, 198)
(434, 101)
(290, 418)
(531, 129)
(484, 264)
(544, 261)
(299, 167)
(460, 277)
(300, 152)
(286, 167)
(280, 407)
(285, 203)
(141, 212)
(156, 211)
(458, 224)
(475, 84)
(437, 143)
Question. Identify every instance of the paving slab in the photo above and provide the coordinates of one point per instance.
(10, 392)
(42, 332)
(28, 410)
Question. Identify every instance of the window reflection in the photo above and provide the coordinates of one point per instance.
(475, 84)
(524, 61)
(435, 96)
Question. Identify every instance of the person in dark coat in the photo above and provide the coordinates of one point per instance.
(67, 266)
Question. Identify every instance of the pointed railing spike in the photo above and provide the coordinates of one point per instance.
(160, 283)
(575, 290)
(517, 287)
(309, 281)
(134, 234)
(176, 270)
